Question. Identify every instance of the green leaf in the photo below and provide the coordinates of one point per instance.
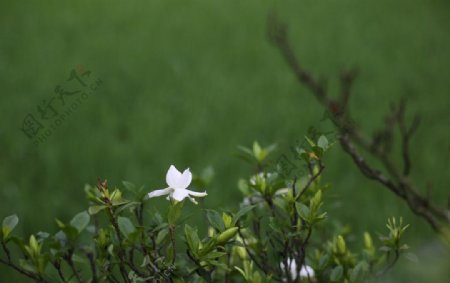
(174, 212)
(8, 225)
(161, 236)
(42, 235)
(213, 255)
(208, 247)
(257, 151)
(323, 142)
(78, 259)
(126, 226)
(215, 219)
(303, 211)
(241, 213)
(80, 221)
(71, 232)
(28, 267)
(243, 187)
(192, 238)
(245, 150)
(94, 209)
(311, 143)
(324, 259)
(116, 198)
(241, 272)
(126, 206)
(315, 202)
(336, 273)
(357, 273)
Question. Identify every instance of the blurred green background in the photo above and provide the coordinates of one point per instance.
(185, 82)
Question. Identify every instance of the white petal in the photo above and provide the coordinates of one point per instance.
(293, 268)
(179, 194)
(306, 271)
(197, 194)
(185, 180)
(193, 200)
(158, 193)
(172, 177)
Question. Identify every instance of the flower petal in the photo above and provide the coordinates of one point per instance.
(179, 194)
(192, 200)
(172, 176)
(158, 193)
(306, 271)
(292, 267)
(197, 194)
(185, 180)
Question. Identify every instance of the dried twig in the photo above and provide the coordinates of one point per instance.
(352, 137)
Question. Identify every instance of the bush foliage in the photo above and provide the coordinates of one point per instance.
(280, 233)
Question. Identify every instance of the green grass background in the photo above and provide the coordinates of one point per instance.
(184, 82)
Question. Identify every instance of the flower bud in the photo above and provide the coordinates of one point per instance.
(341, 247)
(227, 235)
(34, 248)
(368, 244)
(211, 231)
(34, 245)
(227, 220)
(242, 253)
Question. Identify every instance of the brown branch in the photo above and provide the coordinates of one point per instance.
(311, 180)
(351, 135)
(263, 267)
(68, 259)
(173, 241)
(406, 134)
(22, 271)
(91, 259)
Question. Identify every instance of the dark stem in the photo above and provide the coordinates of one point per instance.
(91, 259)
(311, 180)
(172, 239)
(22, 271)
(351, 135)
(68, 259)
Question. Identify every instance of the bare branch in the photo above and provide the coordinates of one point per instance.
(396, 180)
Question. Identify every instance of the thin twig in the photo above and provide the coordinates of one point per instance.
(22, 271)
(397, 181)
(310, 181)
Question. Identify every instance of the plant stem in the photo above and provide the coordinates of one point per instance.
(172, 239)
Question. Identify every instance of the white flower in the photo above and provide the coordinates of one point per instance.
(305, 272)
(177, 186)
